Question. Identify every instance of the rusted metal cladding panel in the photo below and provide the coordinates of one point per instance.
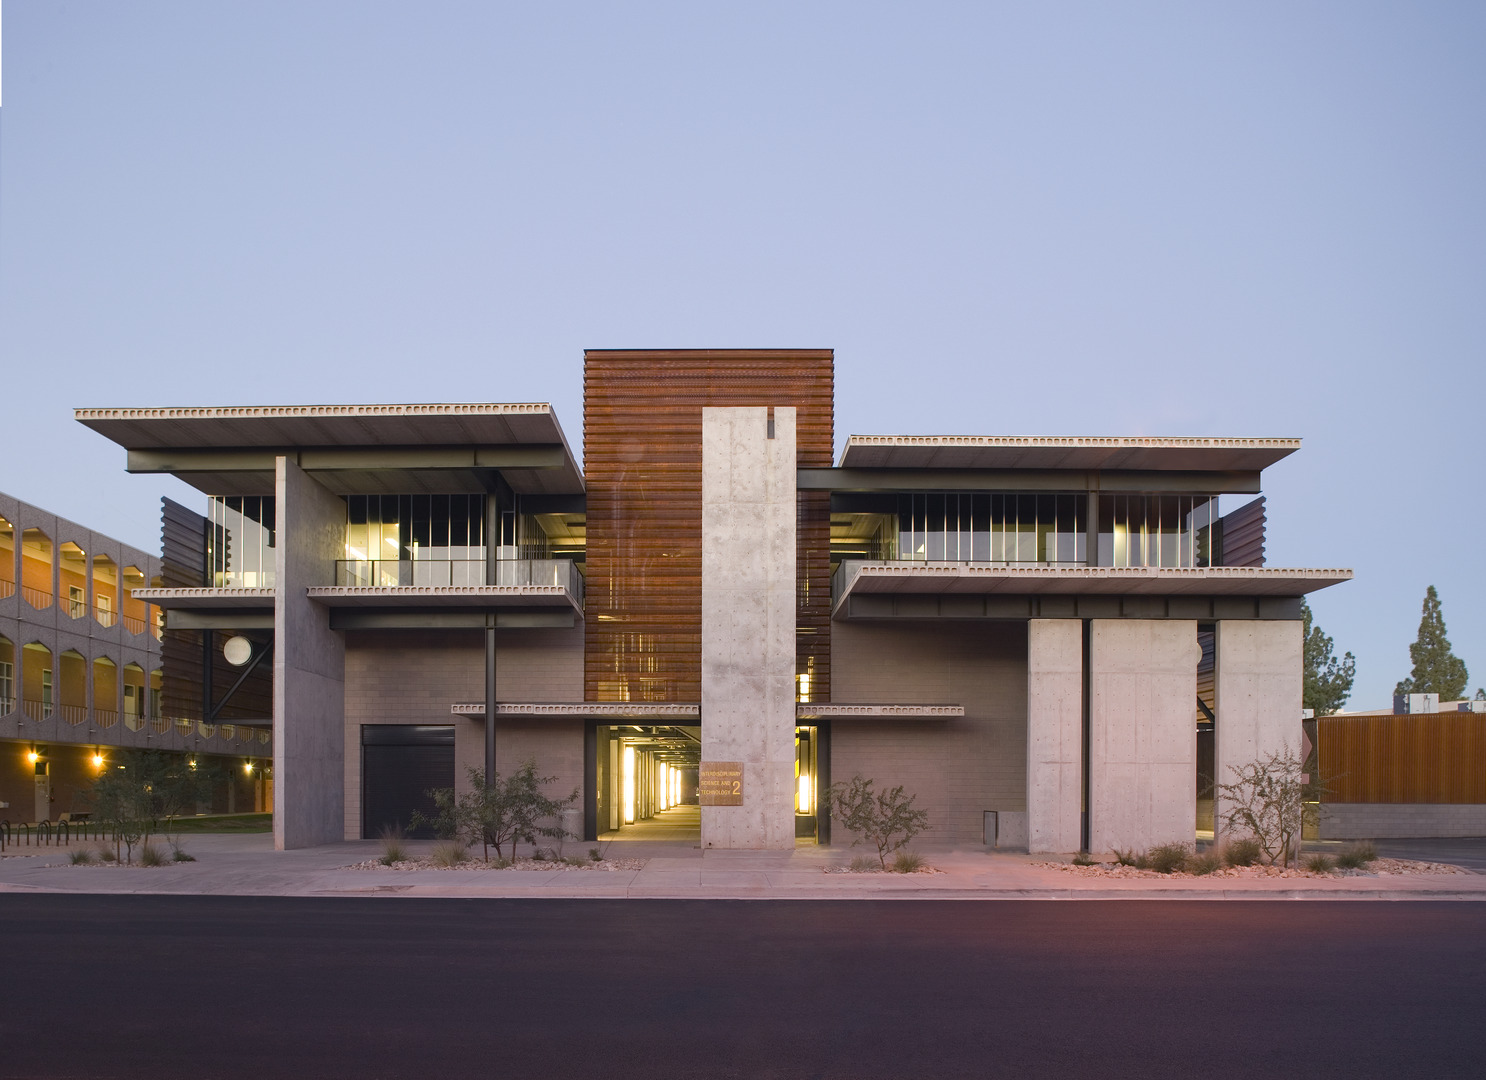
(1243, 535)
(1421, 758)
(642, 458)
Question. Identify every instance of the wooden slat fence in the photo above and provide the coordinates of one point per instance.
(1418, 758)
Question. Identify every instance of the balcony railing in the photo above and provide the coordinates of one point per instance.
(7, 588)
(133, 625)
(391, 573)
(7, 705)
(36, 710)
(106, 616)
(40, 599)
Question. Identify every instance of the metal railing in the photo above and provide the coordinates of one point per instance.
(7, 588)
(36, 710)
(106, 616)
(73, 714)
(397, 573)
(40, 599)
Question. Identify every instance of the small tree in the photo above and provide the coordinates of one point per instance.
(1271, 800)
(507, 811)
(1328, 681)
(121, 799)
(886, 820)
(1437, 670)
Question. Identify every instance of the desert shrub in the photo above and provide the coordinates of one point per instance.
(500, 862)
(1356, 856)
(1129, 858)
(1271, 800)
(449, 853)
(180, 854)
(887, 820)
(1167, 858)
(1320, 863)
(575, 860)
(1244, 851)
(907, 862)
(394, 850)
(863, 864)
(1203, 862)
(150, 855)
(107, 854)
(1083, 859)
(595, 854)
(81, 857)
(507, 811)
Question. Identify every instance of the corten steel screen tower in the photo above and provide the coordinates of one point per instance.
(642, 455)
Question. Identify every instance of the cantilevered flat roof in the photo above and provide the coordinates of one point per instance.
(353, 449)
(983, 578)
(1083, 452)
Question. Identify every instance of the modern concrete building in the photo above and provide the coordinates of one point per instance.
(80, 669)
(1050, 641)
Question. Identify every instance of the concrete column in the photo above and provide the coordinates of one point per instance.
(1258, 676)
(1143, 732)
(1055, 693)
(309, 665)
(748, 621)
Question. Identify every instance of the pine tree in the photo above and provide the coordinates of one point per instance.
(1436, 669)
(1328, 681)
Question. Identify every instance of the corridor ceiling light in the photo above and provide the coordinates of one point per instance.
(802, 800)
(247, 766)
(97, 761)
(32, 756)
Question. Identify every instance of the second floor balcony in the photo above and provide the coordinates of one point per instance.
(401, 581)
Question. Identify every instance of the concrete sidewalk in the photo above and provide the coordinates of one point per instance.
(239, 865)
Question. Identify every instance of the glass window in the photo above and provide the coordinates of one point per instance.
(241, 542)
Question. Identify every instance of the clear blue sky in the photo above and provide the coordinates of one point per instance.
(1174, 219)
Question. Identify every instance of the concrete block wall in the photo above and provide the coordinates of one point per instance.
(535, 665)
(957, 768)
(1384, 821)
(411, 677)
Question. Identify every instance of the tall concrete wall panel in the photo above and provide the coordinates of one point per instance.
(957, 768)
(1143, 742)
(309, 665)
(1258, 677)
(1055, 692)
(748, 620)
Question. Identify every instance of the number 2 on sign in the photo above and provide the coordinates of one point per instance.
(737, 787)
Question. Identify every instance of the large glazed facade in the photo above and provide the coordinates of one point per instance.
(1055, 643)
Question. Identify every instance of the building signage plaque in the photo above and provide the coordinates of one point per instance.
(720, 783)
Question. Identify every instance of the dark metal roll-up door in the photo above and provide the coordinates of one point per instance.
(400, 763)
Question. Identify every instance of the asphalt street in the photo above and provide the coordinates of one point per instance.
(106, 986)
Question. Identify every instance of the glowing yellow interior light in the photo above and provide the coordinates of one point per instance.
(629, 785)
(97, 761)
(247, 766)
(802, 799)
(33, 757)
(675, 786)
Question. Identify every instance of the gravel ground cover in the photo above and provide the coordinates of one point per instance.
(605, 865)
(1376, 868)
